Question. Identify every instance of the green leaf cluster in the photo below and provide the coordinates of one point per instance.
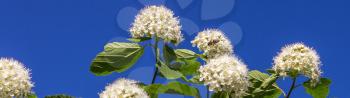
(179, 63)
(263, 85)
(174, 64)
(59, 96)
(171, 88)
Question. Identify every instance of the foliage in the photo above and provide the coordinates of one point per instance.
(183, 64)
(32, 95)
(320, 90)
(59, 96)
(117, 57)
(263, 85)
(172, 88)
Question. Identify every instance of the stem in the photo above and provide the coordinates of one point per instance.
(156, 56)
(154, 75)
(291, 87)
(208, 92)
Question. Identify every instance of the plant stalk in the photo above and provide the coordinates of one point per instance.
(291, 87)
(156, 57)
(208, 92)
(154, 75)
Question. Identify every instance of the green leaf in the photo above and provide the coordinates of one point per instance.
(179, 88)
(168, 54)
(263, 85)
(255, 74)
(269, 81)
(321, 90)
(189, 67)
(32, 95)
(136, 40)
(169, 73)
(195, 79)
(172, 88)
(59, 96)
(220, 95)
(273, 93)
(271, 71)
(152, 90)
(117, 56)
(185, 54)
(176, 65)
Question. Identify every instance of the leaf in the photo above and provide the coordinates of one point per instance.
(176, 65)
(168, 54)
(220, 95)
(32, 95)
(117, 57)
(263, 85)
(271, 71)
(189, 67)
(258, 75)
(274, 93)
(59, 96)
(321, 90)
(169, 73)
(172, 88)
(269, 81)
(152, 90)
(255, 74)
(179, 88)
(137, 40)
(185, 54)
(195, 79)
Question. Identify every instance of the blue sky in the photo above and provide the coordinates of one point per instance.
(57, 39)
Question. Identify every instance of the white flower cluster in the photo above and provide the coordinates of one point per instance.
(299, 58)
(123, 88)
(225, 73)
(213, 42)
(14, 79)
(158, 21)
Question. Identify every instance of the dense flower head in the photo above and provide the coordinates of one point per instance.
(158, 21)
(213, 43)
(298, 58)
(123, 88)
(225, 73)
(14, 79)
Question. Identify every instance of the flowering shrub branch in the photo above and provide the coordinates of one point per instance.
(224, 73)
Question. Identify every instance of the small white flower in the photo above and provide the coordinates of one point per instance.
(14, 79)
(158, 21)
(225, 73)
(123, 88)
(213, 42)
(299, 58)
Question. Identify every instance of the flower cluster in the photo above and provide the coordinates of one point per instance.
(158, 21)
(123, 88)
(298, 58)
(213, 42)
(14, 79)
(225, 73)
